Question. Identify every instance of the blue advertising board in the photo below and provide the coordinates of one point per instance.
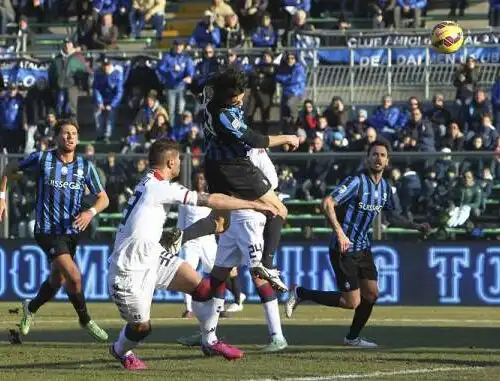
(428, 273)
(374, 49)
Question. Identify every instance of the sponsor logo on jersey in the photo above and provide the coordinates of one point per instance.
(369, 207)
(64, 184)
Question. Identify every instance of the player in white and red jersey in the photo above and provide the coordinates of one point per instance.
(201, 250)
(139, 264)
(243, 244)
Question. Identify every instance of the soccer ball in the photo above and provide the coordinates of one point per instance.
(447, 37)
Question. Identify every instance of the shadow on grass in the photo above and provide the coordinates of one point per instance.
(396, 343)
(323, 335)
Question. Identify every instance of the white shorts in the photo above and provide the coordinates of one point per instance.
(132, 291)
(241, 244)
(202, 250)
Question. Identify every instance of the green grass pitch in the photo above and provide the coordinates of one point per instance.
(417, 343)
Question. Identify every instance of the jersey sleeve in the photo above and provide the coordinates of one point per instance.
(232, 124)
(346, 190)
(175, 193)
(93, 181)
(30, 162)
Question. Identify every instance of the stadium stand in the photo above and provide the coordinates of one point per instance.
(349, 72)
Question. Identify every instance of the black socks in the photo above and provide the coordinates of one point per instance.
(326, 298)
(46, 293)
(361, 316)
(272, 236)
(200, 228)
(78, 301)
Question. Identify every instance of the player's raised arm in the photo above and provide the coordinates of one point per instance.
(342, 193)
(257, 140)
(220, 201)
(395, 216)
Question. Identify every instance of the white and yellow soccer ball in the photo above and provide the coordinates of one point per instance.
(447, 37)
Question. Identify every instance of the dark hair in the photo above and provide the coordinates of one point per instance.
(228, 84)
(378, 143)
(63, 122)
(159, 150)
(414, 98)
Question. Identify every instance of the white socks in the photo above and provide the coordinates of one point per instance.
(208, 315)
(188, 300)
(123, 346)
(273, 320)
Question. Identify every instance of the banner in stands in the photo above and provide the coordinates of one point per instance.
(23, 71)
(406, 49)
(429, 273)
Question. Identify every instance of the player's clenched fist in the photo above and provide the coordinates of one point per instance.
(293, 142)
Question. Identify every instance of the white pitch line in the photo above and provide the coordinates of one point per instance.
(405, 372)
(243, 319)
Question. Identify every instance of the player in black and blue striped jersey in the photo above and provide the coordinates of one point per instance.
(351, 209)
(228, 169)
(62, 177)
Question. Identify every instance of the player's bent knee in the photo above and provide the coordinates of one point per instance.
(283, 211)
(138, 331)
(371, 297)
(266, 292)
(352, 301)
(210, 287)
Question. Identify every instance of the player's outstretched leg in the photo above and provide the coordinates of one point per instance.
(269, 300)
(69, 270)
(130, 337)
(326, 298)
(346, 299)
(47, 291)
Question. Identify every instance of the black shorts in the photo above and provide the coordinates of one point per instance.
(55, 245)
(351, 267)
(238, 178)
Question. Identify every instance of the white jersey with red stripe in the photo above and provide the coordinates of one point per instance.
(144, 217)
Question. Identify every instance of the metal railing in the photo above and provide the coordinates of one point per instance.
(366, 83)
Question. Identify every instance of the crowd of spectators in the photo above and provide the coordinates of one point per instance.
(171, 109)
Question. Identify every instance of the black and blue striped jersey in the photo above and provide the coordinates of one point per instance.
(60, 189)
(359, 201)
(223, 129)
